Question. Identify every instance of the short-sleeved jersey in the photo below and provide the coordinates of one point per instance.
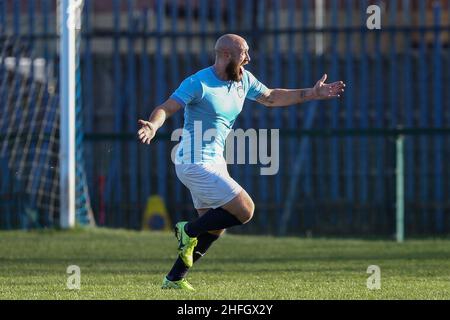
(211, 107)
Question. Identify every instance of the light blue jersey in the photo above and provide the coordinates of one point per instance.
(211, 107)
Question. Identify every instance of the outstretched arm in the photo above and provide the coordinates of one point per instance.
(161, 113)
(287, 97)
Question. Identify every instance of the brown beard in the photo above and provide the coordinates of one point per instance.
(233, 71)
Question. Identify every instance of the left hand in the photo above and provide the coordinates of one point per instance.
(328, 91)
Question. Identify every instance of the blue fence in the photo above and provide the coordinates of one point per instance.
(135, 53)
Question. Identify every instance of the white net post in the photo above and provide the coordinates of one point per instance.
(69, 23)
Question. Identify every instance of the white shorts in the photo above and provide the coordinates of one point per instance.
(210, 183)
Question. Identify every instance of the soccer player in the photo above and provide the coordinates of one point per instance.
(214, 97)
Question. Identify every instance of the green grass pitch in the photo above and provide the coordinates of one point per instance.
(118, 264)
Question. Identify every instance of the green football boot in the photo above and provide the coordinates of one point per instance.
(180, 284)
(186, 244)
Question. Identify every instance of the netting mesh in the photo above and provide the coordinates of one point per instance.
(29, 143)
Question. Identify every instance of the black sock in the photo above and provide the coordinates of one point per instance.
(179, 269)
(214, 219)
(205, 240)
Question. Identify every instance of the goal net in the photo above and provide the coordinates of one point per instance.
(30, 143)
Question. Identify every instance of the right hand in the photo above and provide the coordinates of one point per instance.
(146, 132)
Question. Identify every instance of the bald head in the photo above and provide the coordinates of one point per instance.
(230, 43)
(231, 56)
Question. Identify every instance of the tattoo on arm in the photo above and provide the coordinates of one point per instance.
(306, 95)
(302, 95)
(265, 99)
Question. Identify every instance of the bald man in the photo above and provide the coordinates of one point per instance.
(212, 99)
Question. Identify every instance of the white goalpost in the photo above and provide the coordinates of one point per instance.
(69, 12)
